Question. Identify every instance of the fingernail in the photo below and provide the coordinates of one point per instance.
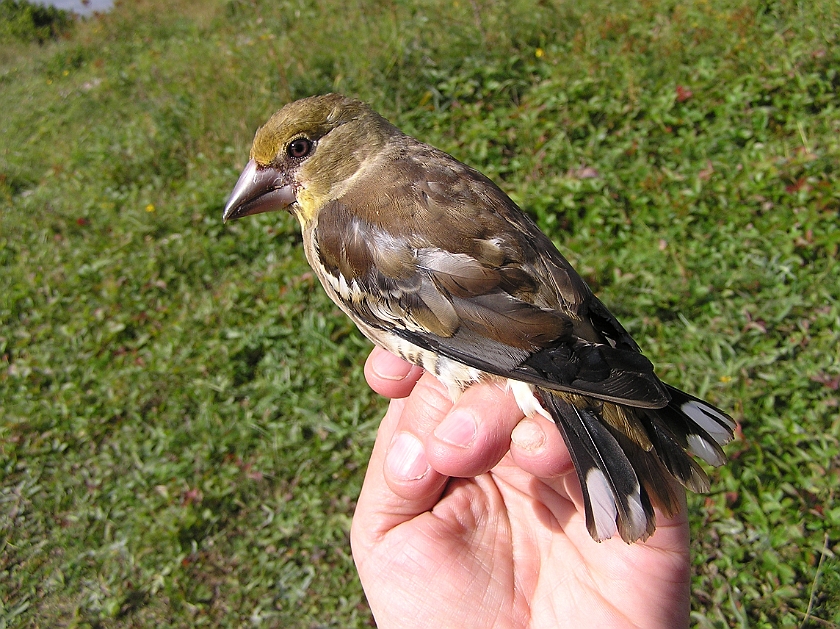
(406, 457)
(528, 435)
(390, 367)
(458, 429)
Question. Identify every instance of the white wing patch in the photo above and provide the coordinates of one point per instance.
(603, 504)
(710, 420)
(605, 510)
(638, 518)
(699, 447)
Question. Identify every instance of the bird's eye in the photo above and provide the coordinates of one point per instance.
(299, 148)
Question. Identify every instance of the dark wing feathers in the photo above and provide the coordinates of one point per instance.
(599, 370)
(509, 286)
(503, 318)
(443, 259)
(608, 327)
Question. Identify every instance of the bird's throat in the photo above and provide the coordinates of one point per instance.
(307, 207)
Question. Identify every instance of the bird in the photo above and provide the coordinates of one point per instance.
(435, 263)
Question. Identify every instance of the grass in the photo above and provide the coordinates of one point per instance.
(184, 419)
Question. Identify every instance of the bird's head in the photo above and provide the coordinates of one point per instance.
(305, 154)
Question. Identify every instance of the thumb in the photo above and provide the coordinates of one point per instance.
(400, 483)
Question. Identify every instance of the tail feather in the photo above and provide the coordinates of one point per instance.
(673, 455)
(658, 486)
(622, 476)
(713, 420)
(612, 495)
(699, 427)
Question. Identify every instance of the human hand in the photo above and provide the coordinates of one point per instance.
(491, 532)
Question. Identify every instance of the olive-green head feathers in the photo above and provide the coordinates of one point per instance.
(312, 119)
(306, 152)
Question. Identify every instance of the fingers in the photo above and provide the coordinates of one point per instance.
(486, 423)
(475, 434)
(479, 430)
(400, 483)
(390, 375)
(424, 440)
(538, 448)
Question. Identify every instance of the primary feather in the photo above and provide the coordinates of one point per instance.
(435, 263)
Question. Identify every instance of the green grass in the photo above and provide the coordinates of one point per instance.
(24, 21)
(184, 419)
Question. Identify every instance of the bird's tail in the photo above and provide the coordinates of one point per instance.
(627, 458)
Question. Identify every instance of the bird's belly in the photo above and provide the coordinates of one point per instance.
(455, 375)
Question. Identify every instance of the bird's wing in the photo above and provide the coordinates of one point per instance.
(439, 256)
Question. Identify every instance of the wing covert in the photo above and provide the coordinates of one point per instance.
(460, 282)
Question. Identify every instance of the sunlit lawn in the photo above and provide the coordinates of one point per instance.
(184, 421)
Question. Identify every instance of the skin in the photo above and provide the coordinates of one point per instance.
(470, 517)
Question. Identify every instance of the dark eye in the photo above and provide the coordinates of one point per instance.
(299, 148)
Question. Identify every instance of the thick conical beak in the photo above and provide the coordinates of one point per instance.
(259, 189)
